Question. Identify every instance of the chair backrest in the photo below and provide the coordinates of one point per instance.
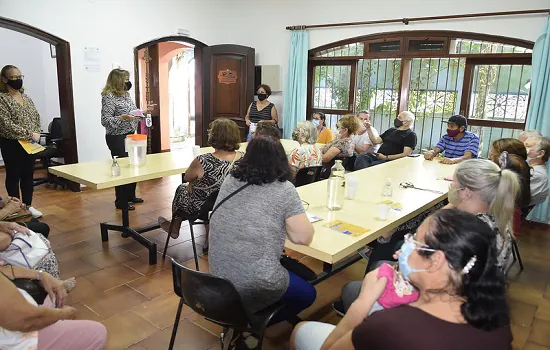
(55, 130)
(307, 175)
(212, 297)
(208, 205)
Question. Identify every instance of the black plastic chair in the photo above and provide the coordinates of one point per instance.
(217, 300)
(54, 149)
(515, 253)
(307, 175)
(201, 219)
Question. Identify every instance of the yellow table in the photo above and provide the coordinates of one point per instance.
(331, 246)
(97, 175)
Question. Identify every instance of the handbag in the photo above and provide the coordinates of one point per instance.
(25, 251)
(298, 268)
(33, 288)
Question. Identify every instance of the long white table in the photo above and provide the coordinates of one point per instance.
(333, 247)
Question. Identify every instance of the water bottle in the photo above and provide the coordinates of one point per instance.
(336, 187)
(115, 168)
(387, 191)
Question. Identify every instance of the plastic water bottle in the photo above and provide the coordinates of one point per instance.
(115, 168)
(336, 187)
(387, 191)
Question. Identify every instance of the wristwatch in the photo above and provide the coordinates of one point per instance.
(38, 275)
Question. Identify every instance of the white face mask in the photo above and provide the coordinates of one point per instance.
(316, 122)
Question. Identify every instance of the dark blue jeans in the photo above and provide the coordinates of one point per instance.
(367, 160)
(299, 296)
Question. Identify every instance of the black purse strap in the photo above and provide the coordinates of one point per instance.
(226, 198)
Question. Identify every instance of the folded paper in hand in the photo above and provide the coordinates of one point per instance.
(31, 147)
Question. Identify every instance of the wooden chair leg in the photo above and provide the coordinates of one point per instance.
(176, 323)
(194, 247)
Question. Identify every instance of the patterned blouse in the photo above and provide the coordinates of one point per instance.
(189, 198)
(305, 156)
(112, 107)
(344, 145)
(18, 121)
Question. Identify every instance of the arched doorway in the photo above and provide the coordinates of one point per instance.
(65, 85)
(152, 63)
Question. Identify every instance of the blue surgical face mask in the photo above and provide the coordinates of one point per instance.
(406, 250)
(316, 122)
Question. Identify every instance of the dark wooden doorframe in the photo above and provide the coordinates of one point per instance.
(64, 83)
(198, 46)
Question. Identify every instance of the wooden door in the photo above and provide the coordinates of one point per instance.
(228, 86)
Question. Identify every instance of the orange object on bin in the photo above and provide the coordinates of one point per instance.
(137, 137)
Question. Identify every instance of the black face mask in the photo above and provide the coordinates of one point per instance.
(16, 84)
(127, 85)
(262, 97)
(397, 123)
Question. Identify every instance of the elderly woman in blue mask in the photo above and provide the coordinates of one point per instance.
(452, 262)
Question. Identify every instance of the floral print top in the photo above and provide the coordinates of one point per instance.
(18, 121)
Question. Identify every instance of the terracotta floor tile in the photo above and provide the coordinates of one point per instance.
(136, 346)
(109, 257)
(520, 335)
(540, 333)
(543, 311)
(127, 329)
(75, 224)
(76, 268)
(112, 277)
(205, 324)
(74, 251)
(524, 293)
(161, 311)
(522, 314)
(533, 346)
(114, 301)
(72, 236)
(85, 313)
(183, 251)
(154, 285)
(83, 289)
(142, 266)
(189, 337)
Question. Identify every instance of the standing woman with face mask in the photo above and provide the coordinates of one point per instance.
(116, 105)
(19, 120)
(261, 111)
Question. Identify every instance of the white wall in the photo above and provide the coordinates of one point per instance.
(33, 58)
(117, 26)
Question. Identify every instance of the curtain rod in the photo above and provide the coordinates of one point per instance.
(406, 21)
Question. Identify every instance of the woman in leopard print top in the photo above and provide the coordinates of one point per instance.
(19, 120)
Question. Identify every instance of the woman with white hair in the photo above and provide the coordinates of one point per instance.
(397, 142)
(308, 154)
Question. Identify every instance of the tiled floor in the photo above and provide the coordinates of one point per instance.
(116, 286)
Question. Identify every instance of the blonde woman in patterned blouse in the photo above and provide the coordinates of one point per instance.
(308, 154)
(116, 105)
(342, 146)
(19, 120)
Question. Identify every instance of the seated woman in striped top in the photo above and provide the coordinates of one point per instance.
(261, 110)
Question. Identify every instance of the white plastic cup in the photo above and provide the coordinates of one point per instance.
(352, 184)
(196, 151)
(383, 211)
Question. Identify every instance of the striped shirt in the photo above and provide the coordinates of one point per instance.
(112, 107)
(455, 149)
(264, 114)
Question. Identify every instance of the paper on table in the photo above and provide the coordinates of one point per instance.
(31, 147)
(313, 218)
(346, 228)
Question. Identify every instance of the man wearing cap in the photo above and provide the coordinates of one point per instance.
(459, 144)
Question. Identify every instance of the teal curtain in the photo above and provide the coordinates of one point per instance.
(538, 117)
(294, 107)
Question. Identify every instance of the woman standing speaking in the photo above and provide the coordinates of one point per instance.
(19, 120)
(116, 105)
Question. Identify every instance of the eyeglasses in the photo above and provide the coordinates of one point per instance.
(411, 239)
(305, 204)
(15, 77)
